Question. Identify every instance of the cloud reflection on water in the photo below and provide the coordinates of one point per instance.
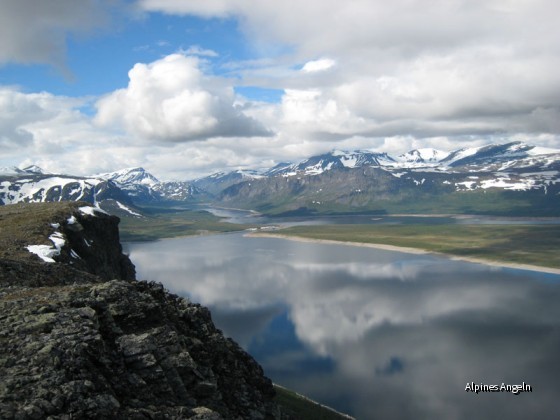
(405, 333)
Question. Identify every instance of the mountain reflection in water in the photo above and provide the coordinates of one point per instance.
(375, 333)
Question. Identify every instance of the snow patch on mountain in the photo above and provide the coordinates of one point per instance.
(125, 208)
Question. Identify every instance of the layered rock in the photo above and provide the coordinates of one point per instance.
(81, 338)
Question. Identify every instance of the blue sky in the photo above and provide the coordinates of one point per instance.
(98, 63)
(185, 88)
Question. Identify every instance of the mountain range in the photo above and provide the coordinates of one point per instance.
(510, 179)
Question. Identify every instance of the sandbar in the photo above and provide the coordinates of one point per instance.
(408, 250)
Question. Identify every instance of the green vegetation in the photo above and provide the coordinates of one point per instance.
(304, 408)
(514, 244)
(168, 223)
(16, 231)
(487, 202)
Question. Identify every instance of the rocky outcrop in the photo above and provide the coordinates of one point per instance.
(90, 252)
(105, 346)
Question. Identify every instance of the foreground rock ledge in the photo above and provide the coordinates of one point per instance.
(108, 349)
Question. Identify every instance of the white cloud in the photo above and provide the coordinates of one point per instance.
(318, 65)
(172, 100)
(33, 120)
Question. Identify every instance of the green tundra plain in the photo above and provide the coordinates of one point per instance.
(511, 244)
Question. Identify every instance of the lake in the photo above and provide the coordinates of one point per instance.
(375, 333)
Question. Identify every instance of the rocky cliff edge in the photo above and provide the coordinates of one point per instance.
(81, 338)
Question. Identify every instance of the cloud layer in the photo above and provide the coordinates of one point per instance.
(388, 76)
(407, 67)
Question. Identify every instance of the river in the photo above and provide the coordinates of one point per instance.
(375, 333)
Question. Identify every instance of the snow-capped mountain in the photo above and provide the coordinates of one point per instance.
(136, 182)
(495, 154)
(421, 157)
(38, 187)
(217, 182)
(354, 181)
(117, 192)
(177, 191)
(336, 159)
(130, 176)
(515, 155)
(142, 187)
(507, 178)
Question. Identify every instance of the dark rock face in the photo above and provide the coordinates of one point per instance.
(94, 240)
(76, 344)
(121, 350)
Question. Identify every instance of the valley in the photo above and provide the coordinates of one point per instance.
(500, 180)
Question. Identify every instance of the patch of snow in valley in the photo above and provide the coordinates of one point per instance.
(507, 184)
(467, 184)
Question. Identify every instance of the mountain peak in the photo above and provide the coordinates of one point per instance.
(34, 169)
(424, 155)
(135, 175)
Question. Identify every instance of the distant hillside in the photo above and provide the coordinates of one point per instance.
(510, 179)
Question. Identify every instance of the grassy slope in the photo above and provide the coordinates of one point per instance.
(16, 231)
(487, 202)
(523, 244)
(304, 408)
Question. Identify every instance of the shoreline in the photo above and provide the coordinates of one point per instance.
(409, 250)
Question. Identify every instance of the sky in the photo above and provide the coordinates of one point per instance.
(185, 88)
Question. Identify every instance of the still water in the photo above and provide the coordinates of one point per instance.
(375, 333)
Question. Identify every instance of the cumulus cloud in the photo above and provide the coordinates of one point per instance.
(172, 100)
(35, 31)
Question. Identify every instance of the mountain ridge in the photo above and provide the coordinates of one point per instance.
(500, 168)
